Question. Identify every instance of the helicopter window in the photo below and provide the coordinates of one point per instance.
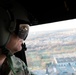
(51, 48)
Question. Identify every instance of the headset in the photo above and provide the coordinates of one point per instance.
(12, 25)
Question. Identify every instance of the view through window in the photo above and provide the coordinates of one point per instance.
(51, 48)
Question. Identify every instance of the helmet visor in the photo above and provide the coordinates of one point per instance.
(23, 30)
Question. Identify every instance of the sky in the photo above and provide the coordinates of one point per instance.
(60, 25)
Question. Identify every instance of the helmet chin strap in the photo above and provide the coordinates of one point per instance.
(5, 51)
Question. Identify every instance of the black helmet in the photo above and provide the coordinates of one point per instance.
(13, 19)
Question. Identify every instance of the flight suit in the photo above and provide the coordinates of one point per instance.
(18, 65)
